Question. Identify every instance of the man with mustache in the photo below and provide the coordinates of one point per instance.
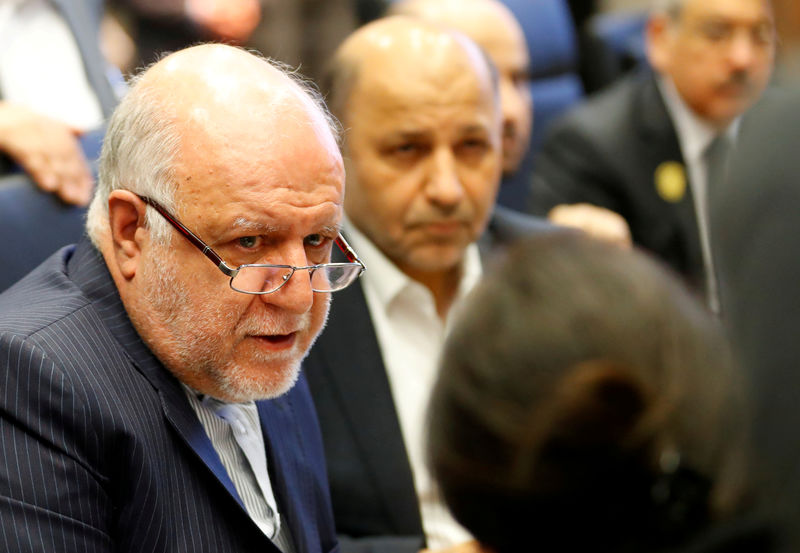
(151, 396)
(423, 158)
(649, 147)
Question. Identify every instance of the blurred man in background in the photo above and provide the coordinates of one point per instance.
(648, 148)
(153, 396)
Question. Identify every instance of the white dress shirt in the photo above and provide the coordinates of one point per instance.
(411, 334)
(41, 66)
(695, 136)
(235, 432)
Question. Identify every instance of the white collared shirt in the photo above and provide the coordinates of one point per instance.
(41, 66)
(411, 334)
(235, 432)
(694, 137)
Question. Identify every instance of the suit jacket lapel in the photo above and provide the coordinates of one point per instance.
(84, 30)
(88, 270)
(287, 482)
(356, 368)
(658, 131)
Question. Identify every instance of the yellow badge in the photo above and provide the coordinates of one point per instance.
(670, 180)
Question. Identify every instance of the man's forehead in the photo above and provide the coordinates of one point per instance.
(747, 11)
(405, 83)
(275, 217)
(421, 104)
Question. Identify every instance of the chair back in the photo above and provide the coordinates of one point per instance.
(614, 44)
(555, 80)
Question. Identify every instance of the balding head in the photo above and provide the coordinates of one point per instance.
(423, 141)
(244, 157)
(495, 29)
(210, 84)
(395, 48)
(204, 89)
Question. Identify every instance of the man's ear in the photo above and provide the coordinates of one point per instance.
(659, 41)
(126, 217)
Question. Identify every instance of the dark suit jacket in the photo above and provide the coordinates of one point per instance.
(755, 230)
(372, 487)
(100, 450)
(606, 152)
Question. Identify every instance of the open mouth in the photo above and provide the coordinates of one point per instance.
(276, 341)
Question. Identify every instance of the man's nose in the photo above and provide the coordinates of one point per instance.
(512, 105)
(296, 296)
(444, 187)
(742, 51)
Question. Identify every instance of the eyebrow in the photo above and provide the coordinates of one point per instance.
(473, 128)
(243, 223)
(253, 226)
(469, 128)
(409, 135)
(332, 229)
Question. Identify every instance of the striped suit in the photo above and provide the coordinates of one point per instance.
(100, 449)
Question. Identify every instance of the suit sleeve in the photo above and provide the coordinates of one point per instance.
(52, 495)
(571, 168)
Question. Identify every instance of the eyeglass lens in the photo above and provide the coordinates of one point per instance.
(257, 279)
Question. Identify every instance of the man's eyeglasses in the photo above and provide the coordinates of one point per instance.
(266, 278)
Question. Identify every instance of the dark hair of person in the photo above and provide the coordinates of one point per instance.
(586, 402)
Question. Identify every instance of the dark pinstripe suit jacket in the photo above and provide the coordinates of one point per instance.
(99, 447)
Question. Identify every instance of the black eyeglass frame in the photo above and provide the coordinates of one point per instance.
(226, 269)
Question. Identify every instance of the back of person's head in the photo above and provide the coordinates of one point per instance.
(586, 403)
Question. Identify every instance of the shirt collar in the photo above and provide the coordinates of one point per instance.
(212, 403)
(388, 281)
(694, 133)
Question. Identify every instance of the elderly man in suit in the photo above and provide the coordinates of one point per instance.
(423, 158)
(645, 148)
(152, 399)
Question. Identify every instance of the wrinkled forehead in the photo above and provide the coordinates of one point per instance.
(261, 122)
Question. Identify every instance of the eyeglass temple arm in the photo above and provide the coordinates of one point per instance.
(347, 250)
(192, 237)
